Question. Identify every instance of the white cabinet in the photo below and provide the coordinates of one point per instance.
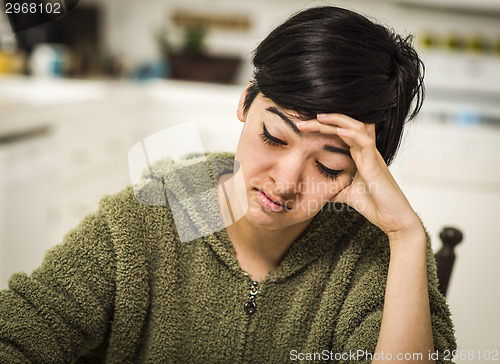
(27, 170)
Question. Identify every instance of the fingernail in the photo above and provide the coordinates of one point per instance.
(301, 123)
(322, 115)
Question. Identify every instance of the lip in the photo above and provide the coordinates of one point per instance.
(270, 203)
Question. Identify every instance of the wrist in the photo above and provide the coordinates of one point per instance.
(413, 232)
(409, 247)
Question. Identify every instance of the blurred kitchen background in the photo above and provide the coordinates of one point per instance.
(78, 92)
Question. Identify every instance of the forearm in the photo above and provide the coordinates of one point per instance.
(406, 324)
(64, 307)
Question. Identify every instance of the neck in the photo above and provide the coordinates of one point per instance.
(267, 246)
(258, 250)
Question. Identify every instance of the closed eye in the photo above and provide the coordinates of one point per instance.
(269, 139)
(327, 172)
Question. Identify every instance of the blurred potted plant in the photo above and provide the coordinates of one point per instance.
(191, 62)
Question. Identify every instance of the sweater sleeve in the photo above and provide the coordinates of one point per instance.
(64, 307)
(359, 324)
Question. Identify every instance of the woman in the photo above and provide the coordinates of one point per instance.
(323, 257)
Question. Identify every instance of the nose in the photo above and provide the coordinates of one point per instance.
(287, 174)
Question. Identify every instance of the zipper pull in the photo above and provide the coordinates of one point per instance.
(251, 306)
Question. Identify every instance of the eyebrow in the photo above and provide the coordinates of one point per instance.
(333, 149)
(329, 148)
(285, 118)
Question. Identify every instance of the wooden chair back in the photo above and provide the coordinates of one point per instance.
(445, 257)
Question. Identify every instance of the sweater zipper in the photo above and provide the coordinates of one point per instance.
(250, 305)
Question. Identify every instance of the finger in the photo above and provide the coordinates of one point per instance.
(341, 196)
(334, 120)
(357, 139)
(345, 196)
(360, 137)
(362, 145)
(314, 125)
(352, 131)
(340, 120)
(346, 122)
(371, 130)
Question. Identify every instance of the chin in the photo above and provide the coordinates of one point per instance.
(259, 217)
(267, 220)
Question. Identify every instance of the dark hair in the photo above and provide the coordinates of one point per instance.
(329, 59)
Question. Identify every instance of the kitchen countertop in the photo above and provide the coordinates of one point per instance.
(27, 103)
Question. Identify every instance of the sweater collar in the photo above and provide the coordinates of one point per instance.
(325, 234)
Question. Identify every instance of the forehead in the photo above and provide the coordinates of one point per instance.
(264, 104)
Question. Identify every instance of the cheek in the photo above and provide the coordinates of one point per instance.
(323, 190)
(250, 143)
(252, 153)
(254, 163)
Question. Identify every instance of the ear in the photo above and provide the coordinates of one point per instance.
(241, 114)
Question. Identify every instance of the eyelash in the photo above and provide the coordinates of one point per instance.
(328, 173)
(269, 139)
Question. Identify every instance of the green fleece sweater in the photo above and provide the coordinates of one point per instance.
(122, 288)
